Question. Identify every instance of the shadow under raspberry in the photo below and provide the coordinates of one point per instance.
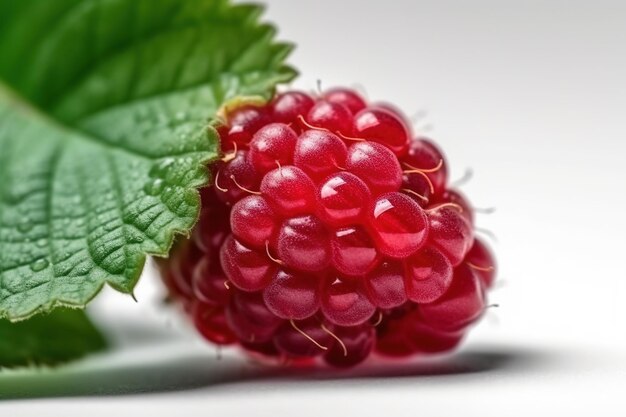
(179, 371)
(150, 357)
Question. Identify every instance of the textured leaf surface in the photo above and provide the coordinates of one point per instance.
(103, 133)
(49, 339)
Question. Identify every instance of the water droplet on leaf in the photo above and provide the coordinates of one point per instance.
(25, 227)
(160, 169)
(154, 187)
(135, 238)
(39, 265)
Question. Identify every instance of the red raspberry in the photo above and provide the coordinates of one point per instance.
(330, 232)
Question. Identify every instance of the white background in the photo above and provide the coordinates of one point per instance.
(531, 95)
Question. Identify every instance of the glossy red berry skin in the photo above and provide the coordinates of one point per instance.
(424, 155)
(291, 341)
(208, 282)
(410, 335)
(272, 146)
(481, 261)
(248, 269)
(292, 295)
(330, 235)
(243, 123)
(460, 305)
(376, 165)
(399, 225)
(250, 319)
(354, 252)
(285, 108)
(303, 243)
(428, 275)
(382, 126)
(357, 342)
(385, 285)
(349, 98)
(320, 153)
(331, 116)
(456, 197)
(235, 174)
(344, 302)
(289, 191)
(450, 232)
(253, 221)
(342, 199)
(211, 323)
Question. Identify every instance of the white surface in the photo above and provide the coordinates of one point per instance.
(532, 96)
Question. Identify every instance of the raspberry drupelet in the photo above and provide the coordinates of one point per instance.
(329, 232)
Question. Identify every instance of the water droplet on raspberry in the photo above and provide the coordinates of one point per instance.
(399, 225)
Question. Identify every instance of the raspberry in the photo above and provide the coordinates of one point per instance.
(330, 234)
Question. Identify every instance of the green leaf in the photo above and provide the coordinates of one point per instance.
(104, 111)
(50, 339)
